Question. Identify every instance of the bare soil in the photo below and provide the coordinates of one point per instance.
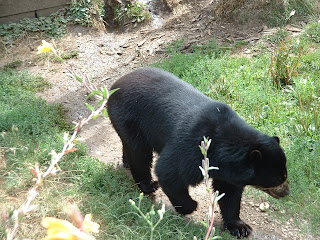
(105, 56)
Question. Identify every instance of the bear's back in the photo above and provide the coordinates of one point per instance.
(160, 105)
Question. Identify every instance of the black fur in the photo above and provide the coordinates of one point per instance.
(155, 111)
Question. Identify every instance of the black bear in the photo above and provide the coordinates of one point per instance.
(154, 110)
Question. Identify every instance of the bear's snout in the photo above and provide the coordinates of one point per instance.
(279, 191)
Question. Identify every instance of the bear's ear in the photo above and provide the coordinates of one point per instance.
(255, 155)
(277, 139)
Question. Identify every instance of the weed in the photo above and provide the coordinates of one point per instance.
(149, 216)
(220, 88)
(86, 12)
(131, 13)
(70, 54)
(284, 65)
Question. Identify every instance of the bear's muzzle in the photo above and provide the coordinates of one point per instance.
(279, 191)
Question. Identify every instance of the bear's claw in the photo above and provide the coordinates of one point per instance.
(238, 228)
(148, 187)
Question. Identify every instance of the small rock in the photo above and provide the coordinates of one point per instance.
(109, 53)
(292, 29)
(141, 43)
(264, 206)
(126, 45)
(79, 34)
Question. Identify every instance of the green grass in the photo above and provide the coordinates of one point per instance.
(28, 122)
(292, 113)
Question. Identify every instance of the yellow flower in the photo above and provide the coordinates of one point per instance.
(58, 229)
(46, 47)
(88, 225)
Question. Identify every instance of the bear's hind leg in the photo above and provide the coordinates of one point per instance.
(230, 208)
(139, 160)
(125, 161)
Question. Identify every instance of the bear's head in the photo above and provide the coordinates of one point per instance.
(270, 166)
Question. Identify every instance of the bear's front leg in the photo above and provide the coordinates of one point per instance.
(230, 208)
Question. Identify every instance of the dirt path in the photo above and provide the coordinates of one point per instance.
(104, 57)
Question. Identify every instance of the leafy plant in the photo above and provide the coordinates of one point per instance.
(131, 13)
(149, 217)
(86, 12)
(285, 63)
